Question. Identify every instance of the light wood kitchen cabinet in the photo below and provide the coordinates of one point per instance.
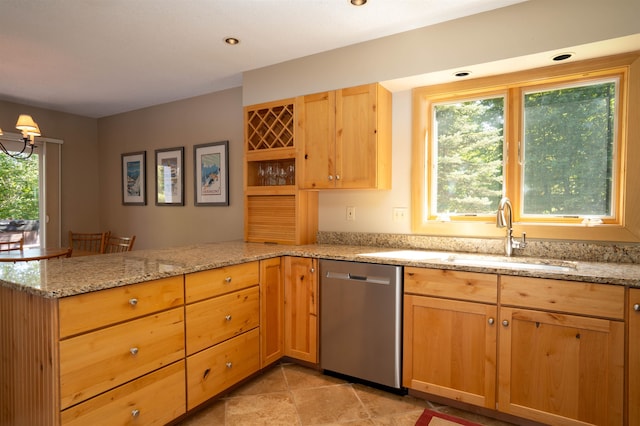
(450, 329)
(633, 378)
(301, 308)
(345, 138)
(561, 351)
(276, 210)
(115, 337)
(222, 329)
(271, 311)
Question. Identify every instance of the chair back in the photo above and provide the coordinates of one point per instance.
(87, 244)
(11, 241)
(117, 244)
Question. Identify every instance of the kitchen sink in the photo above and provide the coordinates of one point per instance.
(475, 260)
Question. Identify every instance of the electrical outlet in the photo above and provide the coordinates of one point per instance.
(400, 214)
(351, 213)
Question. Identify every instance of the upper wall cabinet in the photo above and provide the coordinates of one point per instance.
(344, 138)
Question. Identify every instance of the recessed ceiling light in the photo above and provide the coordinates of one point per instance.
(231, 40)
(462, 73)
(358, 2)
(562, 56)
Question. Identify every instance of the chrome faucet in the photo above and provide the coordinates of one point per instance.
(501, 221)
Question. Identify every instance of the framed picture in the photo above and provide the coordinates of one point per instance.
(211, 169)
(134, 181)
(170, 177)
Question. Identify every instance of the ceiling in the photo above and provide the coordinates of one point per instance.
(102, 57)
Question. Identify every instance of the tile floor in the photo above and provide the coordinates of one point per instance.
(290, 394)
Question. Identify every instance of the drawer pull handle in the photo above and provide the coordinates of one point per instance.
(135, 412)
(491, 321)
(134, 351)
(229, 365)
(133, 301)
(505, 323)
(227, 280)
(228, 317)
(636, 307)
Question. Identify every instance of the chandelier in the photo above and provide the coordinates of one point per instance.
(30, 130)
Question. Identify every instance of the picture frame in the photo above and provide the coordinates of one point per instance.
(211, 174)
(134, 178)
(170, 177)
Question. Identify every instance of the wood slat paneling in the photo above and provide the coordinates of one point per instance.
(28, 359)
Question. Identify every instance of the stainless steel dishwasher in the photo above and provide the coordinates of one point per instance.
(361, 321)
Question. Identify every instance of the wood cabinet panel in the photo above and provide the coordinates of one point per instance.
(563, 296)
(94, 310)
(95, 362)
(154, 399)
(450, 349)
(561, 369)
(271, 311)
(633, 378)
(301, 308)
(215, 369)
(345, 138)
(211, 321)
(470, 286)
(206, 284)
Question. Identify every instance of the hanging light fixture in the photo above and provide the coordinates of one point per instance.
(30, 130)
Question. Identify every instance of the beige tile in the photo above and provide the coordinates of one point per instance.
(381, 403)
(267, 409)
(299, 377)
(270, 381)
(211, 415)
(329, 405)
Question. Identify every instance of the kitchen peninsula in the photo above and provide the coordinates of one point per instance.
(60, 318)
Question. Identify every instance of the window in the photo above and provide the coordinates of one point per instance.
(553, 140)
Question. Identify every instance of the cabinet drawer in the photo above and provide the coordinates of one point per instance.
(599, 300)
(95, 362)
(211, 321)
(205, 284)
(154, 399)
(89, 311)
(213, 370)
(470, 286)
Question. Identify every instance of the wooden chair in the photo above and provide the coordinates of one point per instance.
(117, 244)
(11, 241)
(87, 244)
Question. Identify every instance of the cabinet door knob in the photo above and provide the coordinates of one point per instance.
(133, 301)
(330, 177)
(491, 321)
(312, 270)
(135, 412)
(505, 323)
(134, 351)
(229, 364)
(228, 317)
(227, 280)
(636, 307)
(337, 177)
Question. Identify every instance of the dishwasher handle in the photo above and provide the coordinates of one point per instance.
(352, 277)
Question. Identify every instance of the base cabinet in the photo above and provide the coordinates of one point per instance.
(271, 311)
(633, 379)
(222, 329)
(450, 345)
(560, 345)
(301, 308)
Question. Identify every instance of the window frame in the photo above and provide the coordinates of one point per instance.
(624, 226)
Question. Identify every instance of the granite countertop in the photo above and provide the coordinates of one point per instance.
(66, 277)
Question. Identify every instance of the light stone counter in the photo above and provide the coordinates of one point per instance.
(66, 277)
